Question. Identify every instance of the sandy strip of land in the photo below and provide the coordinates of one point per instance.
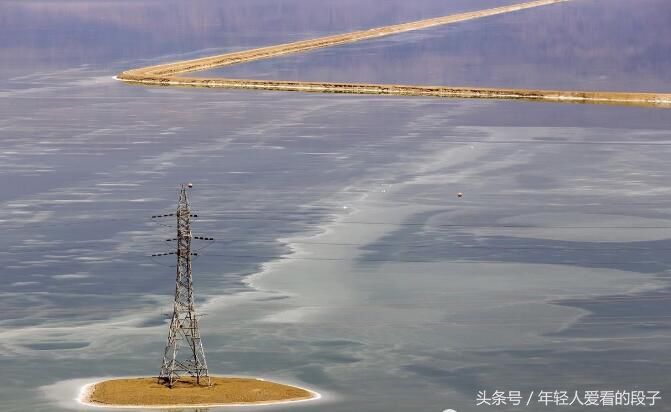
(165, 74)
(146, 393)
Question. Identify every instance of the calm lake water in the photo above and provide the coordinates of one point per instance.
(344, 260)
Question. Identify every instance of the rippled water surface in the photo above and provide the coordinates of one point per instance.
(344, 260)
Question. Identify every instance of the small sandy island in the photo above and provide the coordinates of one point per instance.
(147, 392)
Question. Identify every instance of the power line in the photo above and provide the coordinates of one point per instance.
(333, 219)
(405, 245)
(406, 260)
(265, 259)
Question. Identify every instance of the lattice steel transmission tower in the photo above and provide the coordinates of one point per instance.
(184, 333)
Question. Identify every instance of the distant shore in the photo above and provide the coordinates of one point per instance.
(146, 392)
(166, 74)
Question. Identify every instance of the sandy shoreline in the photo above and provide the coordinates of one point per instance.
(86, 392)
(166, 74)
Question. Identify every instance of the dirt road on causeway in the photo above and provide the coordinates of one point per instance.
(167, 74)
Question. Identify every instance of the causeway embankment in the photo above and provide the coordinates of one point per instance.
(168, 74)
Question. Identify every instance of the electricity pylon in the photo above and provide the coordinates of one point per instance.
(184, 324)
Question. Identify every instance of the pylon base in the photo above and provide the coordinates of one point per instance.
(146, 392)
